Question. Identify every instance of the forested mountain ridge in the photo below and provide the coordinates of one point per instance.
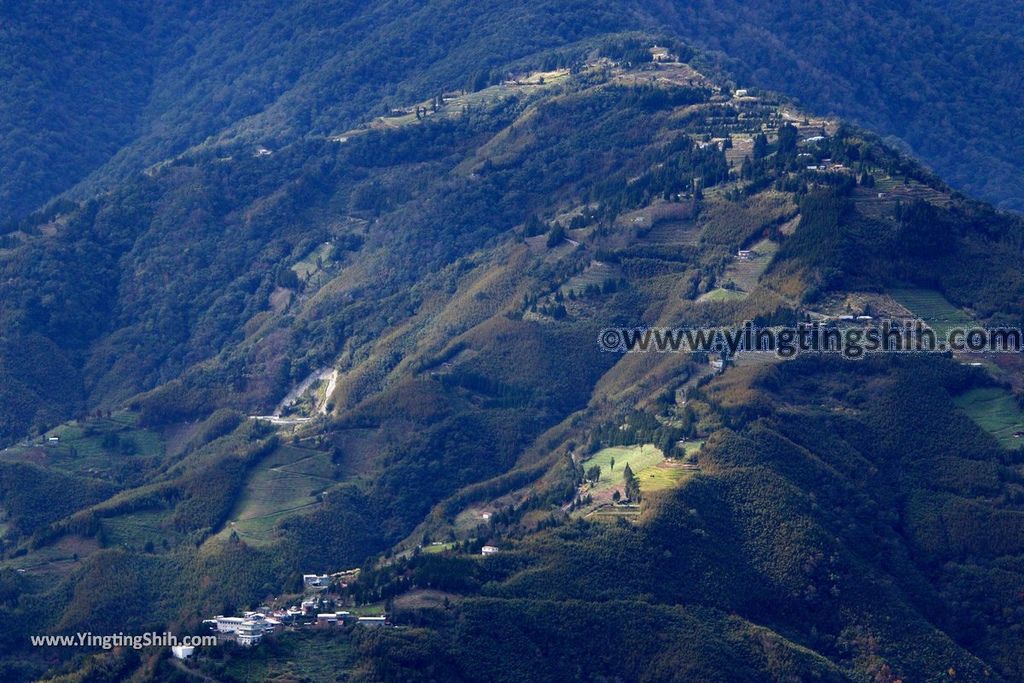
(453, 260)
(111, 89)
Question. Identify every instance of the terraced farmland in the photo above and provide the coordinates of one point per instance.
(996, 411)
(932, 307)
(287, 482)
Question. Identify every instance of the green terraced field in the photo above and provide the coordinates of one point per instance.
(996, 411)
(747, 273)
(596, 274)
(309, 655)
(932, 307)
(286, 483)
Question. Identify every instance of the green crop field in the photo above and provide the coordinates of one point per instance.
(996, 411)
(285, 483)
(932, 307)
(665, 475)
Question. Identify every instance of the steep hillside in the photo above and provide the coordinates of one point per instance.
(106, 91)
(412, 302)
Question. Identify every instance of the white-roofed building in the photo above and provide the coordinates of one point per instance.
(182, 651)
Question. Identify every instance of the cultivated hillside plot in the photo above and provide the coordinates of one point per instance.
(932, 307)
(997, 412)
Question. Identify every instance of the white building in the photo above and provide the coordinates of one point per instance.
(660, 54)
(373, 621)
(182, 651)
(488, 550)
(316, 580)
(247, 630)
(250, 632)
(223, 624)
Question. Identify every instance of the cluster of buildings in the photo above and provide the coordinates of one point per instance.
(319, 582)
(662, 54)
(250, 628)
(247, 630)
(342, 618)
(829, 166)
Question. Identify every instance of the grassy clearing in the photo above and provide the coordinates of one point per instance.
(469, 521)
(639, 459)
(456, 104)
(741, 276)
(436, 548)
(932, 307)
(610, 513)
(995, 411)
(665, 475)
(314, 262)
(649, 465)
(721, 294)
